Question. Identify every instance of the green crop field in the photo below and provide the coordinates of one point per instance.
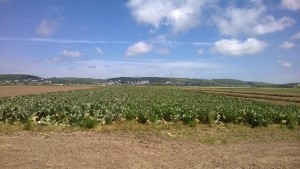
(106, 105)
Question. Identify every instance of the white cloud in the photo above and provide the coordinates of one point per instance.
(200, 51)
(99, 51)
(186, 16)
(201, 43)
(163, 51)
(236, 48)
(179, 15)
(286, 64)
(138, 49)
(270, 24)
(66, 55)
(287, 45)
(296, 36)
(62, 40)
(133, 68)
(55, 59)
(163, 40)
(114, 68)
(47, 28)
(293, 5)
(250, 20)
(71, 54)
(150, 12)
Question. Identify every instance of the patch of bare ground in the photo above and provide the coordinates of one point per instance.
(272, 97)
(23, 90)
(173, 147)
(262, 97)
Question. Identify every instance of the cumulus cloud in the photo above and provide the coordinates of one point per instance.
(138, 49)
(99, 51)
(235, 47)
(296, 36)
(270, 24)
(47, 28)
(150, 12)
(250, 20)
(179, 15)
(293, 5)
(71, 54)
(287, 45)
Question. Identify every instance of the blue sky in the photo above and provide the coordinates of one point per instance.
(251, 40)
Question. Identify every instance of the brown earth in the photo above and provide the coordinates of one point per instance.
(89, 149)
(23, 90)
(279, 98)
(287, 99)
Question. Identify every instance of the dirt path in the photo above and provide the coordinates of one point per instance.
(133, 150)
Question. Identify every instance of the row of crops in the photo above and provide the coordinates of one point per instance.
(107, 105)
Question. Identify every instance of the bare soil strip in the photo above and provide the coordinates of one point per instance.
(265, 97)
(138, 150)
(23, 90)
(296, 95)
(283, 98)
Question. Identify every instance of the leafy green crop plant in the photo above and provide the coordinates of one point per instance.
(106, 105)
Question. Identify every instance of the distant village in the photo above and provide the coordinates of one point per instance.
(26, 82)
(12, 79)
(40, 82)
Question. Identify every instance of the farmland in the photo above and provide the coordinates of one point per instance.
(149, 127)
(278, 95)
(23, 90)
(107, 105)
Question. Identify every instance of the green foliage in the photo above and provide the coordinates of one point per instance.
(291, 120)
(211, 118)
(142, 118)
(106, 105)
(89, 122)
(189, 119)
(17, 77)
(28, 125)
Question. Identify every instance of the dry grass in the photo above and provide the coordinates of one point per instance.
(218, 134)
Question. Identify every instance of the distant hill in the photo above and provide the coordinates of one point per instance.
(72, 80)
(197, 82)
(157, 81)
(18, 77)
